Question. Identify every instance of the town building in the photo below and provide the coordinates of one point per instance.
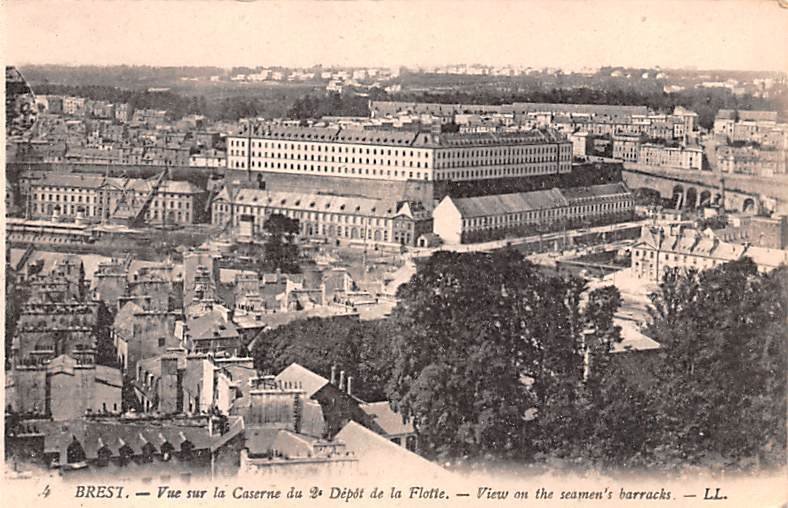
(680, 247)
(397, 155)
(212, 333)
(750, 160)
(138, 334)
(161, 447)
(673, 157)
(335, 218)
(627, 147)
(726, 120)
(66, 387)
(474, 219)
(769, 232)
(208, 159)
(95, 198)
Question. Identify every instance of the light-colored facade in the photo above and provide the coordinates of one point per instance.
(664, 248)
(94, 197)
(626, 148)
(349, 219)
(750, 160)
(674, 157)
(208, 159)
(466, 220)
(398, 155)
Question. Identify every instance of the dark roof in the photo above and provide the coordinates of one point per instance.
(92, 435)
(595, 191)
(211, 326)
(499, 204)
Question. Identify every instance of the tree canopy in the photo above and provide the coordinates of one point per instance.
(486, 345)
(360, 348)
(495, 359)
(281, 251)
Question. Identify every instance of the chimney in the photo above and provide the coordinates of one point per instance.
(342, 380)
(333, 374)
(349, 385)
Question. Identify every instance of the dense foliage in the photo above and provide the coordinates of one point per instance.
(360, 348)
(281, 250)
(720, 391)
(494, 359)
(334, 104)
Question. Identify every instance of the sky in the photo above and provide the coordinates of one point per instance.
(570, 34)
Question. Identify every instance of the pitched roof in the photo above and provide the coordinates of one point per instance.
(499, 204)
(308, 380)
(330, 203)
(383, 457)
(609, 190)
(113, 435)
(391, 422)
(632, 339)
(211, 326)
(745, 115)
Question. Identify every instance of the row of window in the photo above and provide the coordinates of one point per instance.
(318, 158)
(156, 203)
(331, 169)
(351, 232)
(334, 148)
(297, 214)
(549, 213)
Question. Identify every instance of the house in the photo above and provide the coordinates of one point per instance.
(109, 445)
(211, 333)
(139, 334)
(67, 387)
(685, 248)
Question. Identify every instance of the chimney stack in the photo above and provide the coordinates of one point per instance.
(349, 385)
(342, 380)
(333, 374)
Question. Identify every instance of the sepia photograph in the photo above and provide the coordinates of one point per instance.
(395, 253)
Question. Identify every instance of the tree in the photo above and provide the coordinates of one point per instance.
(360, 348)
(483, 342)
(281, 251)
(720, 391)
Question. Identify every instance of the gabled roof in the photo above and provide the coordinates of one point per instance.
(390, 422)
(211, 326)
(378, 454)
(500, 204)
(113, 435)
(308, 380)
(327, 203)
(609, 190)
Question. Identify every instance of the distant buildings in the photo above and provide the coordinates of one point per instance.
(208, 159)
(752, 142)
(673, 157)
(474, 219)
(397, 155)
(750, 160)
(345, 219)
(685, 248)
(769, 232)
(93, 197)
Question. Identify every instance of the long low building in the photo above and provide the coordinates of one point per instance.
(474, 219)
(338, 218)
(95, 197)
(397, 155)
